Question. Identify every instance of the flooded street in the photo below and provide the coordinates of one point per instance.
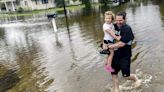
(34, 58)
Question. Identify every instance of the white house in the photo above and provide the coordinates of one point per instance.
(71, 2)
(12, 5)
(9, 5)
(42, 4)
(95, 1)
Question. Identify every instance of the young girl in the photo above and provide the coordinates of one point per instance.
(109, 36)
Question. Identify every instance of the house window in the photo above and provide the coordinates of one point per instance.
(3, 7)
(36, 1)
(44, 1)
(26, 3)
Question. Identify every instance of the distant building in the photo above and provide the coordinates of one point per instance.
(38, 4)
(13, 5)
(71, 2)
(7, 5)
(95, 1)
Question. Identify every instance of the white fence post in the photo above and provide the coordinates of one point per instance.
(54, 24)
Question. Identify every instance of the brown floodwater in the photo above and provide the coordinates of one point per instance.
(34, 58)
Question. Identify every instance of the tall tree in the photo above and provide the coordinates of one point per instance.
(87, 3)
(104, 2)
(59, 3)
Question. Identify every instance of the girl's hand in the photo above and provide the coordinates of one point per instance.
(105, 46)
(118, 38)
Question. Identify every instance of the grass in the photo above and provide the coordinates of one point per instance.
(43, 11)
(40, 11)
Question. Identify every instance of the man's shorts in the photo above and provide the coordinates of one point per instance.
(122, 64)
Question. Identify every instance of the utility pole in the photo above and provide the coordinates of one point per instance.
(67, 23)
(65, 11)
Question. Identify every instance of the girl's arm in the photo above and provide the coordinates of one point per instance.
(113, 34)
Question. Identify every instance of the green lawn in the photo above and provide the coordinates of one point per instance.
(41, 11)
(76, 7)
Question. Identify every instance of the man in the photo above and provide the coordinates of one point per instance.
(122, 56)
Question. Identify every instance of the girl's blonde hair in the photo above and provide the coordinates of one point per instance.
(110, 13)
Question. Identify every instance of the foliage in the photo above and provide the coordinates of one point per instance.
(20, 9)
(74, 0)
(59, 3)
(87, 3)
(105, 2)
(23, 9)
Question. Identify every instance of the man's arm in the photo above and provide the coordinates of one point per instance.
(117, 45)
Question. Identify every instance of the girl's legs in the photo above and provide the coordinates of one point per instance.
(110, 57)
(109, 61)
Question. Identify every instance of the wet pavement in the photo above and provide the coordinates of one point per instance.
(34, 58)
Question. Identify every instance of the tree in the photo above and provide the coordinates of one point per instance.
(87, 3)
(105, 2)
(74, 0)
(59, 3)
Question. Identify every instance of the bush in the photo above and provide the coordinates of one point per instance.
(23, 9)
(20, 9)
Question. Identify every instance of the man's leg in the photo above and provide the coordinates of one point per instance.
(115, 83)
(133, 77)
(125, 66)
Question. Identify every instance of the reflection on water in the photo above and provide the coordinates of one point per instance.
(8, 80)
(19, 52)
(34, 58)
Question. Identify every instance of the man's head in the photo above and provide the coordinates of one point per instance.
(120, 18)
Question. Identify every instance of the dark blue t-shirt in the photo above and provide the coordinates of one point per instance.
(126, 36)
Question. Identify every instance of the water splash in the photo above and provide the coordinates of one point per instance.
(128, 85)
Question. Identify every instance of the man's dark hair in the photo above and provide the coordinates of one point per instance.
(123, 14)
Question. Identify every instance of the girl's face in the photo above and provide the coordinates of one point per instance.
(108, 18)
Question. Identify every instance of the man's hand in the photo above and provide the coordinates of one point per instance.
(116, 45)
(105, 46)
